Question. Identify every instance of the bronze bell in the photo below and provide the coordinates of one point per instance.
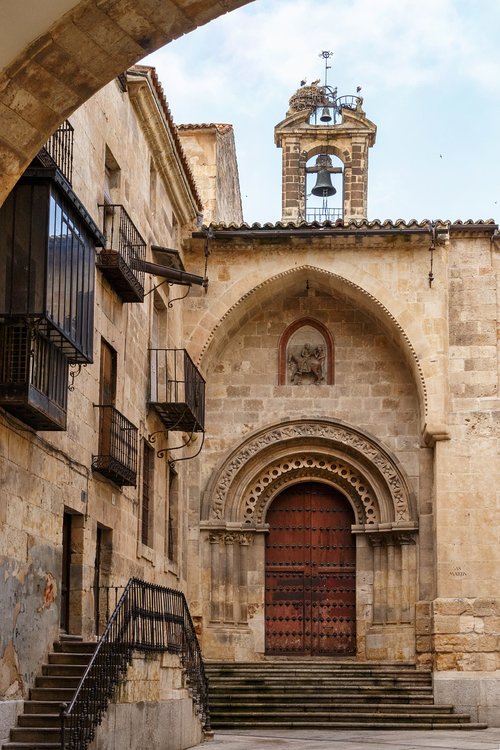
(325, 115)
(323, 187)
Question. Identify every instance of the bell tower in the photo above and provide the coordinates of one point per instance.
(324, 140)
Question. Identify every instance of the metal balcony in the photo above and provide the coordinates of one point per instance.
(124, 247)
(117, 456)
(58, 151)
(177, 390)
(33, 377)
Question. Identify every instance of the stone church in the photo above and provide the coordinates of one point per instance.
(346, 499)
(307, 445)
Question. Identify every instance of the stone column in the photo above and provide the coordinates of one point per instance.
(243, 579)
(229, 577)
(408, 577)
(215, 583)
(379, 582)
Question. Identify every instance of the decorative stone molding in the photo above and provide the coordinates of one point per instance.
(230, 537)
(326, 450)
(305, 467)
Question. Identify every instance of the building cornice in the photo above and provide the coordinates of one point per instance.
(165, 144)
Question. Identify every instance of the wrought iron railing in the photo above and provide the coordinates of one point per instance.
(177, 390)
(150, 619)
(124, 247)
(324, 214)
(59, 150)
(117, 456)
(33, 376)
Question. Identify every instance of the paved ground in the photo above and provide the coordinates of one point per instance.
(296, 739)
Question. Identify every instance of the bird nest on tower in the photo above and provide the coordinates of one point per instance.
(308, 97)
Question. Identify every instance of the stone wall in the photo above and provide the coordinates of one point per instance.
(212, 157)
(47, 475)
(152, 708)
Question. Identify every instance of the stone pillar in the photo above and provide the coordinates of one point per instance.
(379, 582)
(243, 579)
(216, 578)
(229, 578)
(293, 177)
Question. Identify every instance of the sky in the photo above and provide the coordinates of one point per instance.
(429, 72)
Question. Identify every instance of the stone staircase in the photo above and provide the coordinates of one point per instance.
(38, 728)
(319, 694)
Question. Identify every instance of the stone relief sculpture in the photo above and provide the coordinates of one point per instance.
(306, 357)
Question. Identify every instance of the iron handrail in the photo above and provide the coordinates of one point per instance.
(147, 618)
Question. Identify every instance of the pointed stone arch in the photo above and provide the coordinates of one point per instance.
(239, 302)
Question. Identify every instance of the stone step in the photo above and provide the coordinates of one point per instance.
(300, 698)
(35, 734)
(357, 717)
(39, 720)
(56, 681)
(62, 695)
(75, 647)
(317, 689)
(31, 746)
(320, 682)
(410, 725)
(327, 694)
(63, 657)
(217, 709)
(64, 670)
(41, 707)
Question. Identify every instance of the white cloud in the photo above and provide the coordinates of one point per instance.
(430, 72)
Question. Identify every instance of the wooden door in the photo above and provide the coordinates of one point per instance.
(310, 573)
(107, 397)
(65, 573)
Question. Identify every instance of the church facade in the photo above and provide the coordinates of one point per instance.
(345, 503)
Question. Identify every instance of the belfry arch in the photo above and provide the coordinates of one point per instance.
(234, 528)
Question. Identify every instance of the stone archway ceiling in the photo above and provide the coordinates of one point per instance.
(324, 449)
(76, 56)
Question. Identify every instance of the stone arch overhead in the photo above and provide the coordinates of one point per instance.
(239, 302)
(341, 153)
(328, 450)
(70, 53)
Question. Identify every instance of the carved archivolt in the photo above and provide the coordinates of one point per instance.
(326, 450)
(310, 466)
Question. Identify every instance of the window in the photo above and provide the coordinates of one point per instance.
(147, 495)
(172, 515)
(117, 456)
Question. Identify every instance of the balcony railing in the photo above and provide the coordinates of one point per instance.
(33, 377)
(58, 151)
(117, 457)
(324, 214)
(177, 390)
(124, 246)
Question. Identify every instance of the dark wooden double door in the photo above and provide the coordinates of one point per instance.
(310, 573)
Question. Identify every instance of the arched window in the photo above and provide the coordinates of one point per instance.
(306, 354)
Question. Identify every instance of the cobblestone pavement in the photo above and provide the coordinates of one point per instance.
(295, 739)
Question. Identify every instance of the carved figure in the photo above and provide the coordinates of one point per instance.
(309, 363)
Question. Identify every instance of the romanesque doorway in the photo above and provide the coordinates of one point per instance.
(310, 573)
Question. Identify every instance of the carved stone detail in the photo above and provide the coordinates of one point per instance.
(350, 440)
(230, 537)
(309, 466)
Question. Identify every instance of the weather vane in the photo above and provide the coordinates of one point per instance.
(326, 56)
